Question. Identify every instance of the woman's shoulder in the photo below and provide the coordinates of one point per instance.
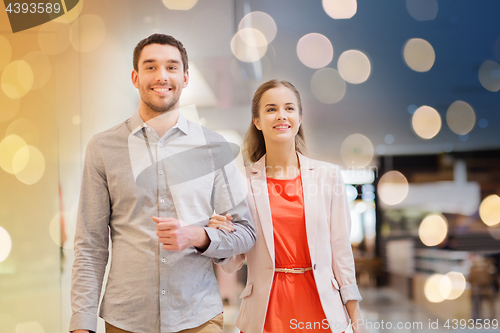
(319, 165)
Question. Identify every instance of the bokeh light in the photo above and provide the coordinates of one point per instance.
(393, 187)
(262, 22)
(489, 75)
(360, 207)
(354, 66)
(53, 38)
(71, 15)
(489, 210)
(315, 50)
(76, 120)
(426, 122)
(356, 150)
(422, 10)
(458, 284)
(17, 79)
(483, 123)
(437, 288)
(28, 165)
(328, 86)
(10, 107)
(419, 54)
(340, 9)
(55, 229)
(87, 33)
(389, 139)
(41, 66)
(351, 192)
(8, 149)
(5, 52)
(25, 129)
(179, 4)
(5, 244)
(460, 117)
(433, 229)
(249, 45)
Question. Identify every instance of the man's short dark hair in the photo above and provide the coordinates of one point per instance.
(162, 40)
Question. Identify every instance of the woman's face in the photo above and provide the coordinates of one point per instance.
(279, 117)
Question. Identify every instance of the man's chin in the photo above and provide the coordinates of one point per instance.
(161, 108)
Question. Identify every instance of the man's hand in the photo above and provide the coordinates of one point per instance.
(80, 331)
(177, 238)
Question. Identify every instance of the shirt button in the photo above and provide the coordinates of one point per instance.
(163, 292)
(159, 144)
(161, 172)
(162, 200)
(163, 259)
(314, 266)
(149, 129)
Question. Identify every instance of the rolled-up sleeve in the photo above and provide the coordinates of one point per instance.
(343, 260)
(91, 241)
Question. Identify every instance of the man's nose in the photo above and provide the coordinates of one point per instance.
(162, 75)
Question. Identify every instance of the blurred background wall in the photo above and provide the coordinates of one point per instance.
(403, 95)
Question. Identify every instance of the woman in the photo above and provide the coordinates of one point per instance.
(301, 267)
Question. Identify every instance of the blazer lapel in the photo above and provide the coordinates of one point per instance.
(261, 198)
(310, 199)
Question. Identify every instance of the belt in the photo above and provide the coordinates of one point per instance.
(293, 270)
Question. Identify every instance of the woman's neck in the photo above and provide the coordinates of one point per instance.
(282, 161)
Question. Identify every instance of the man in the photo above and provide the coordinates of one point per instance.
(151, 185)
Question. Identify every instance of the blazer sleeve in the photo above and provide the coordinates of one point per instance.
(232, 264)
(340, 225)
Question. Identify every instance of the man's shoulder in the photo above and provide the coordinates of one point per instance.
(110, 137)
(119, 129)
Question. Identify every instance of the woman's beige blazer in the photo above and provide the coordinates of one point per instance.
(328, 225)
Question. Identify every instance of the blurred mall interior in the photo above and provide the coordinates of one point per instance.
(402, 94)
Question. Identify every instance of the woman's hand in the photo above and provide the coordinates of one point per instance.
(222, 222)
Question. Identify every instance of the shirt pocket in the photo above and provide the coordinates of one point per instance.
(247, 291)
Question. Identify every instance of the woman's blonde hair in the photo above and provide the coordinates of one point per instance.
(254, 146)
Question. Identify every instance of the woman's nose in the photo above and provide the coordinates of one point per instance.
(281, 114)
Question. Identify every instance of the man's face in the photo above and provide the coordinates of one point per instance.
(160, 77)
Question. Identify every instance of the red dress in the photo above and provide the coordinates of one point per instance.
(294, 303)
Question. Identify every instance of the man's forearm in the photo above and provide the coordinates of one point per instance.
(201, 241)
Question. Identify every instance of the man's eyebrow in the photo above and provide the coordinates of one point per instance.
(173, 61)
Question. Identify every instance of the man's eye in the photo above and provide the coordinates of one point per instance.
(150, 67)
(271, 109)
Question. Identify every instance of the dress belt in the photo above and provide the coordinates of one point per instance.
(293, 270)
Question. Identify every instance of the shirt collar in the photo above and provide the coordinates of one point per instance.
(136, 123)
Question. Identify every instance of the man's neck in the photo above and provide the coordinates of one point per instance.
(160, 122)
